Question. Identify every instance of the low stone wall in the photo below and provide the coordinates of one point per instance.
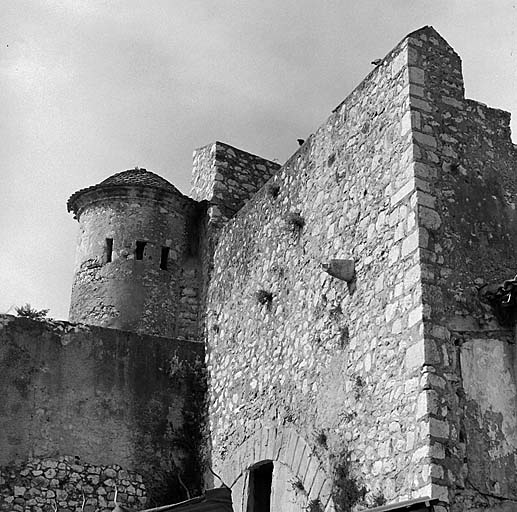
(68, 484)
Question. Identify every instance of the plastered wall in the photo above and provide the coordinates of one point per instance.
(105, 397)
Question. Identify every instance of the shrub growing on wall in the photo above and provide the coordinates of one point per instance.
(273, 189)
(294, 221)
(346, 489)
(27, 311)
(264, 297)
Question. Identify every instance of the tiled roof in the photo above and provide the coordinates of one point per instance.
(138, 177)
(132, 177)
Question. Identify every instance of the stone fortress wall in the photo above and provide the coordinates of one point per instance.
(405, 371)
(227, 178)
(328, 359)
(396, 383)
(224, 178)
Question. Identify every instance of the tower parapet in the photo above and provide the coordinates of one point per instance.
(136, 265)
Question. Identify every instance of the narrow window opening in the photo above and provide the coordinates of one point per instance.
(139, 251)
(164, 259)
(259, 496)
(108, 250)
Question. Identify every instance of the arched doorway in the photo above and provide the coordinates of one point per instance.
(271, 486)
(278, 462)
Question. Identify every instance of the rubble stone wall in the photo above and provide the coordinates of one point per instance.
(289, 345)
(223, 179)
(67, 484)
(104, 396)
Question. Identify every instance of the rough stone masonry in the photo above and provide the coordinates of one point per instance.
(406, 375)
(328, 394)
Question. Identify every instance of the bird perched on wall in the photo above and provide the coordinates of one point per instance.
(300, 142)
(376, 62)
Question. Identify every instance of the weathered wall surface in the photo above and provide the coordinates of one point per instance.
(339, 364)
(465, 168)
(488, 379)
(106, 396)
(131, 294)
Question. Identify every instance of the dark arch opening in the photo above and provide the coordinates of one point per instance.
(259, 488)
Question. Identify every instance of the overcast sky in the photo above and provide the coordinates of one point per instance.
(93, 87)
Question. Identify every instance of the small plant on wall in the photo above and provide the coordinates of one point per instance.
(27, 311)
(344, 336)
(359, 385)
(264, 297)
(297, 485)
(190, 377)
(321, 439)
(295, 222)
(347, 490)
(314, 506)
(273, 190)
(377, 499)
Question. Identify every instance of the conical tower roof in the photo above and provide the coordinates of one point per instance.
(138, 177)
(141, 178)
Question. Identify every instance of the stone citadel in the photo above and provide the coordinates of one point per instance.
(327, 335)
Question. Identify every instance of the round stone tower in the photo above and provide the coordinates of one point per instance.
(137, 263)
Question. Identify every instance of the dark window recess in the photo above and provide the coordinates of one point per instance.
(164, 259)
(108, 250)
(139, 251)
(259, 496)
